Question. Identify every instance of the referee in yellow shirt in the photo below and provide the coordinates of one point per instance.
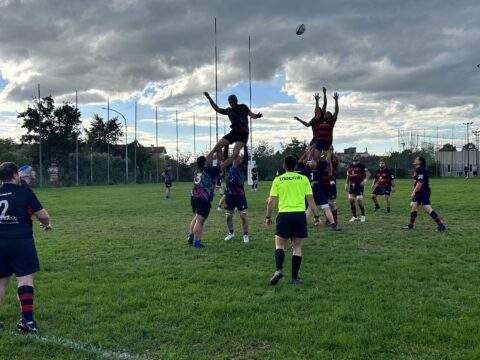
(291, 189)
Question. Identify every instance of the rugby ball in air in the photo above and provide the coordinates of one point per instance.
(300, 29)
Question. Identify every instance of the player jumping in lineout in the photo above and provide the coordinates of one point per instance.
(238, 115)
(384, 185)
(421, 194)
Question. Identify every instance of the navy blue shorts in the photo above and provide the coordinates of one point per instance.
(19, 257)
(201, 207)
(330, 191)
(385, 190)
(322, 145)
(422, 197)
(355, 189)
(238, 202)
(168, 184)
(319, 196)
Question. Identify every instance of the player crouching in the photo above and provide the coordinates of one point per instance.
(421, 194)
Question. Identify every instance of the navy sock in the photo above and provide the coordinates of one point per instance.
(25, 297)
(230, 231)
(279, 257)
(413, 216)
(296, 262)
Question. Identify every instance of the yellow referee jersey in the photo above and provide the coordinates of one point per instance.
(291, 189)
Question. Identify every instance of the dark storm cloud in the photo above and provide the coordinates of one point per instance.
(419, 51)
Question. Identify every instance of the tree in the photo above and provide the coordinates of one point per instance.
(294, 147)
(448, 147)
(469, 146)
(102, 133)
(262, 150)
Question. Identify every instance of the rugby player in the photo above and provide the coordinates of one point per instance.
(330, 185)
(27, 175)
(421, 194)
(17, 248)
(317, 174)
(235, 198)
(254, 179)
(238, 115)
(167, 175)
(357, 177)
(291, 190)
(202, 195)
(383, 184)
(324, 130)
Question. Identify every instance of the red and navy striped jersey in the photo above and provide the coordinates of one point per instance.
(17, 204)
(420, 176)
(356, 173)
(384, 177)
(234, 180)
(238, 117)
(324, 129)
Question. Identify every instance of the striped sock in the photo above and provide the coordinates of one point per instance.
(435, 218)
(25, 297)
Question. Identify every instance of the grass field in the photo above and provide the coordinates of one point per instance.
(119, 281)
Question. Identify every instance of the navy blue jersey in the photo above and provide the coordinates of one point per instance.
(316, 177)
(204, 183)
(420, 176)
(234, 180)
(17, 204)
(168, 176)
(238, 117)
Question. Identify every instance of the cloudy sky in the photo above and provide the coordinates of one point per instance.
(397, 64)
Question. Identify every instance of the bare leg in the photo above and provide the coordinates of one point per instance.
(244, 218)
(229, 217)
(236, 152)
(219, 146)
(198, 227)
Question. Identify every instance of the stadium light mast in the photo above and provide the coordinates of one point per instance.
(135, 149)
(108, 143)
(76, 142)
(126, 144)
(250, 94)
(194, 137)
(216, 82)
(176, 129)
(156, 141)
(477, 143)
(466, 145)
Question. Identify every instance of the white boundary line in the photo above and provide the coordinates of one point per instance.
(91, 349)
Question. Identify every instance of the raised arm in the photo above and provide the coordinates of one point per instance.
(304, 123)
(324, 100)
(214, 106)
(316, 96)
(335, 97)
(254, 116)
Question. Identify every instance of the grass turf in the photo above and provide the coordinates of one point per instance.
(117, 275)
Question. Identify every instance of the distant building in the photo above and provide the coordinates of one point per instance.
(347, 155)
(455, 163)
(157, 151)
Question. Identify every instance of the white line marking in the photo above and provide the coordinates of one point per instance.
(106, 354)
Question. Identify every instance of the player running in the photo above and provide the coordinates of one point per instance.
(168, 177)
(202, 195)
(17, 248)
(383, 184)
(27, 175)
(421, 194)
(357, 177)
(291, 190)
(235, 198)
(238, 115)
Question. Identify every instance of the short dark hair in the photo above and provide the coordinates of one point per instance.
(290, 162)
(7, 171)
(233, 98)
(201, 160)
(423, 162)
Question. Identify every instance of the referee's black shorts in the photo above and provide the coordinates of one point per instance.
(292, 224)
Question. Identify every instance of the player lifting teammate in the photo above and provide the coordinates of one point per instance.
(324, 130)
(357, 177)
(384, 185)
(238, 115)
(235, 198)
(17, 248)
(421, 194)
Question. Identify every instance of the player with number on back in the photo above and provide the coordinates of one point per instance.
(238, 115)
(202, 195)
(168, 177)
(357, 177)
(18, 254)
(384, 185)
(421, 194)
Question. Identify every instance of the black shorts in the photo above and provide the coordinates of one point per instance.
(201, 207)
(322, 145)
(168, 184)
(382, 190)
(422, 197)
(235, 136)
(292, 224)
(355, 189)
(19, 257)
(319, 197)
(330, 191)
(233, 202)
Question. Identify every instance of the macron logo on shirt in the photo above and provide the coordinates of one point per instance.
(290, 178)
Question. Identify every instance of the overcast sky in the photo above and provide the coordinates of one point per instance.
(396, 64)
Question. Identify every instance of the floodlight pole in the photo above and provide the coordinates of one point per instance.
(126, 144)
(194, 137)
(466, 146)
(250, 93)
(216, 82)
(77, 132)
(477, 141)
(135, 149)
(40, 138)
(176, 128)
(156, 141)
(108, 143)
